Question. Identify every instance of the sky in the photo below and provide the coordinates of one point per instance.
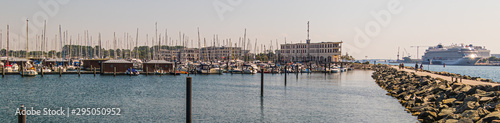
(372, 29)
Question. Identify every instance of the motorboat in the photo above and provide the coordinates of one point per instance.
(132, 72)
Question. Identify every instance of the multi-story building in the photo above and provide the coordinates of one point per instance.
(222, 53)
(322, 52)
(203, 54)
(189, 54)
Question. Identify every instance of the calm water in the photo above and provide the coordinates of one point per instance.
(487, 72)
(346, 97)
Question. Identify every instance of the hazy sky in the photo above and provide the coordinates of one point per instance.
(416, 22)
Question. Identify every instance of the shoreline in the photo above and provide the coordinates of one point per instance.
(432, 99)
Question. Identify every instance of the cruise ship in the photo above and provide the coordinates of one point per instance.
(455, 54)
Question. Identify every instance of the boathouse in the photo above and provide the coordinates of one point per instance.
(121, 66)
(153, 65)
(95, 63)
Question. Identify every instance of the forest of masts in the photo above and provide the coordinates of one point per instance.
(84, 45)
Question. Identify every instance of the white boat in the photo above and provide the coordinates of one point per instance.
(209, 69)
(29, 70)
(15, 68)
(250, 69)
(57, 68)
(455, 54)
(70, 67)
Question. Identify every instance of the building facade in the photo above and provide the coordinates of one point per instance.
(189, 54)
(203, 54)
(222, 53)
(314, 52)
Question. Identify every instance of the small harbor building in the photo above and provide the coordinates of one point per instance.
(121, 66)
(153, 65)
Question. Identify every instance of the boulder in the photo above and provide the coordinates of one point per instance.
(471, 114)
(490, 117)
(447, 112)
(449, 101)
(482, 112)
(465, 106)
(465, 120)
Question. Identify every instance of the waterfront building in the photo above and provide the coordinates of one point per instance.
(222, 53)
(185, 54)
(153, 65)
(311, 52)
(121, 66)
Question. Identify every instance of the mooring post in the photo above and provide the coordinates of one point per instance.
(79, 69)
(3, 71)
(325, 69)
(114, 71)
(41, 71)
(21, 118)
(188, 99)
(262, 82)
(130, 72)
(95, 71)
(297, 71)
(60, 72)
(147, 71)
(285, 75)
(330, 71)
(22, 69)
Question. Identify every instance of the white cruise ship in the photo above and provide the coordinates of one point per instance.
(455, 54)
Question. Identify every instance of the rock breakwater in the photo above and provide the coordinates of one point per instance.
(438, 100)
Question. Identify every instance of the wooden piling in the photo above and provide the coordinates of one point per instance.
(21, 118)
(3, 71)
(95, 71)
(130, 72)
(188, 99)
(60, 72)
(147, 71)
(41, 71)
(297, 71)
(79, 69)
(285, 75)
(114, 71)
(330, 71)
(22, 69)
(262, 83)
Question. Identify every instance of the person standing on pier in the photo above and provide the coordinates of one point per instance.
(421, 67)
(444, 65)
(416, 67)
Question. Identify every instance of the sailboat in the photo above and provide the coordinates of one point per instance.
(29, 69)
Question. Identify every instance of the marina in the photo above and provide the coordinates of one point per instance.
(250, 61)
(343, 97)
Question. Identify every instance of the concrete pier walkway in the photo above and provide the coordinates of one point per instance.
(464, 81)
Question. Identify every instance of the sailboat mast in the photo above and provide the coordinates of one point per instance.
(44, 38)
(100, 46)
(7, 45)
(136, 43)
(27, 43)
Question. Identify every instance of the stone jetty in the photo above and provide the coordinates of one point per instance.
(434, 99)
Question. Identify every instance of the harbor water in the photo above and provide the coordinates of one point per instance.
(342, 97)
(486, 72)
